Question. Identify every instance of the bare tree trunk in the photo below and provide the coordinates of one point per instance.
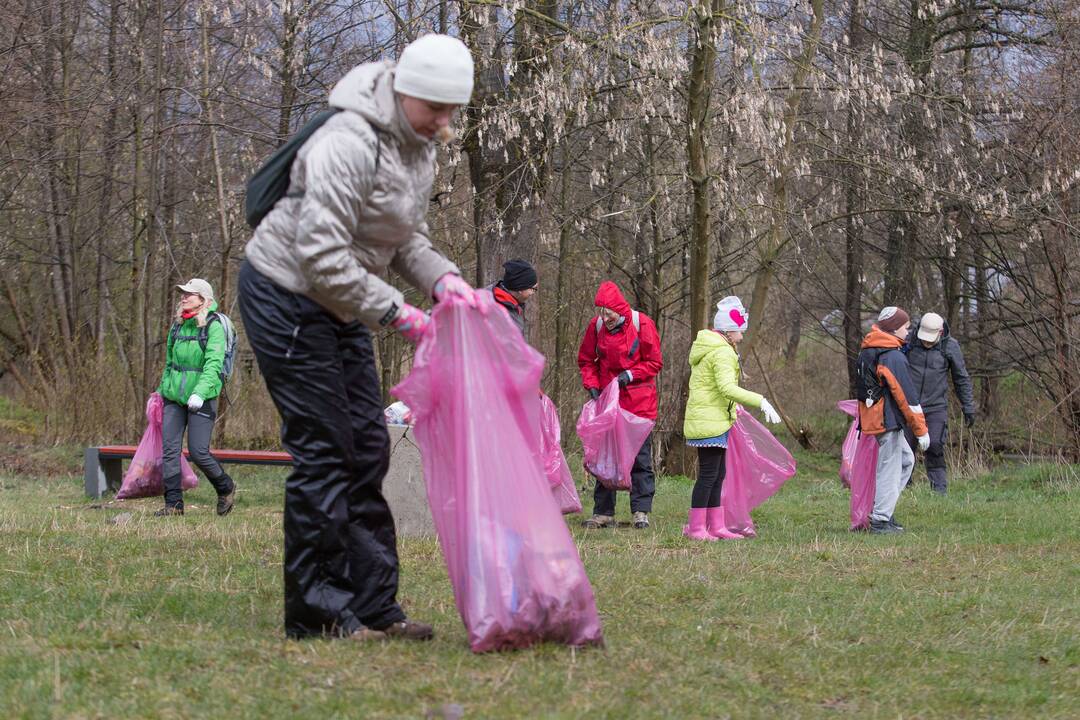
(563, 349)
(109, 152)
(215, 154)
(769, 252)
(699, 101)
(853, 223)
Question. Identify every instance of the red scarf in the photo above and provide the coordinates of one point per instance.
(187, 315)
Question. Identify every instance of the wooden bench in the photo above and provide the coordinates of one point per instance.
(103, 466)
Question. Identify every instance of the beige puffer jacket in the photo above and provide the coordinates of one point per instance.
(343, 222)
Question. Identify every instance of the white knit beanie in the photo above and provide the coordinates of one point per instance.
(438, 68)
(731, 315)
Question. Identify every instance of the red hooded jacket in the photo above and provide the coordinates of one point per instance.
(602, 356)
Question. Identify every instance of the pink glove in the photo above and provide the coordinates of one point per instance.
(450, 285)
(411, 322)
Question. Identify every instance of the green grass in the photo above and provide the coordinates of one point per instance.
(974, 612)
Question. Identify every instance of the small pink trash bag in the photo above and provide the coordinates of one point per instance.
(558, 472)
(861, 462)
(611, 438)
(757, 465)
(513, 565)
(144, 478)
(847, 451)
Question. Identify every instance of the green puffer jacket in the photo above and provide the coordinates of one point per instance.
(714, 387)
(188, 371)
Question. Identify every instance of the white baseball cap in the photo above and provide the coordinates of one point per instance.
(930, 327)
(438, 68)
(199, 287)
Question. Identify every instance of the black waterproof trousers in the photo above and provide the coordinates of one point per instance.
(642, 485)
(937, 424)
(341, 564)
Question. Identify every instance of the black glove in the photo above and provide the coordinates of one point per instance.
(624, 378)
(594, 393)
(969, 420)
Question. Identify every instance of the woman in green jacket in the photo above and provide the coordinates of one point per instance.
(711, 411)
(190, 385)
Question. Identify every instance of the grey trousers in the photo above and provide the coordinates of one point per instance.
(895, 461)
(200, 425)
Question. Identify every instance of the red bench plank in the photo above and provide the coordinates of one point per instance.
(236, 456)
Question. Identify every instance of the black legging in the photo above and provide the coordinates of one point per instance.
(710, 477)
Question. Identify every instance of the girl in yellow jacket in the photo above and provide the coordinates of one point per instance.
(710, 413)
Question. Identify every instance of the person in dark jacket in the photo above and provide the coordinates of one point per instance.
(312, 288)
(517, 285)
(190, 385)
(885, 416)
(932, 358)
(615, 346)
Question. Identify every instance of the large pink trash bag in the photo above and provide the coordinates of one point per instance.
(757, 465)
(474, 393)
(558, 472)
(143, 478)
(847, 451)
(611, 438)
(862, 469)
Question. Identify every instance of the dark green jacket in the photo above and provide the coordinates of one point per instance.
(188, 371)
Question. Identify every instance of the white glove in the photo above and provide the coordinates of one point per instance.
(195, 402)
(924, 441)
(771, 416)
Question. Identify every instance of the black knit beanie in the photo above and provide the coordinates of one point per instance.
(518, 275)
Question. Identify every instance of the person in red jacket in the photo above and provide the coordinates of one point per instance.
(623, 343)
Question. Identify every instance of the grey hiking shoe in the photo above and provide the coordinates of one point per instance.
(598, 521)
(225, 502)
(641, 520)
(170, 510)
(884, 527)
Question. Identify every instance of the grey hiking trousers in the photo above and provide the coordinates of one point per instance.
(200, 426)
(895, 461)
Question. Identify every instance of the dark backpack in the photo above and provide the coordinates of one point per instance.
(270, 182)
(868, 388)
(203, 337)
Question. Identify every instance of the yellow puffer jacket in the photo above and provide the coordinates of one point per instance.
(714, 387)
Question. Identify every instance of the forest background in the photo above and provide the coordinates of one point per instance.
(820, 159)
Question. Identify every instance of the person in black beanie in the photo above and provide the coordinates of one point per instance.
(518, 284)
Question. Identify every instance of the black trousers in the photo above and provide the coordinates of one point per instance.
(341, 563)
(710, 477)
(937, 423)
(642, 485)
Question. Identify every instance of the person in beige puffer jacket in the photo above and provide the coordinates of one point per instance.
(311, 288)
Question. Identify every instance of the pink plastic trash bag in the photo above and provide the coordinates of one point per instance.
(143, 478)
(847, 451)
(611, 438)
(558, 472)
(474, 393)
(757, 465)
(861, 468)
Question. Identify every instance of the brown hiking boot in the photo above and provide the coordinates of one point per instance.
(225, 502)
(170, 510)
(366, 634)
(408, 630)
(599, 521)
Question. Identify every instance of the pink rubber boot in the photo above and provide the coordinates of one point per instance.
(695, 526)
(714, 523)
